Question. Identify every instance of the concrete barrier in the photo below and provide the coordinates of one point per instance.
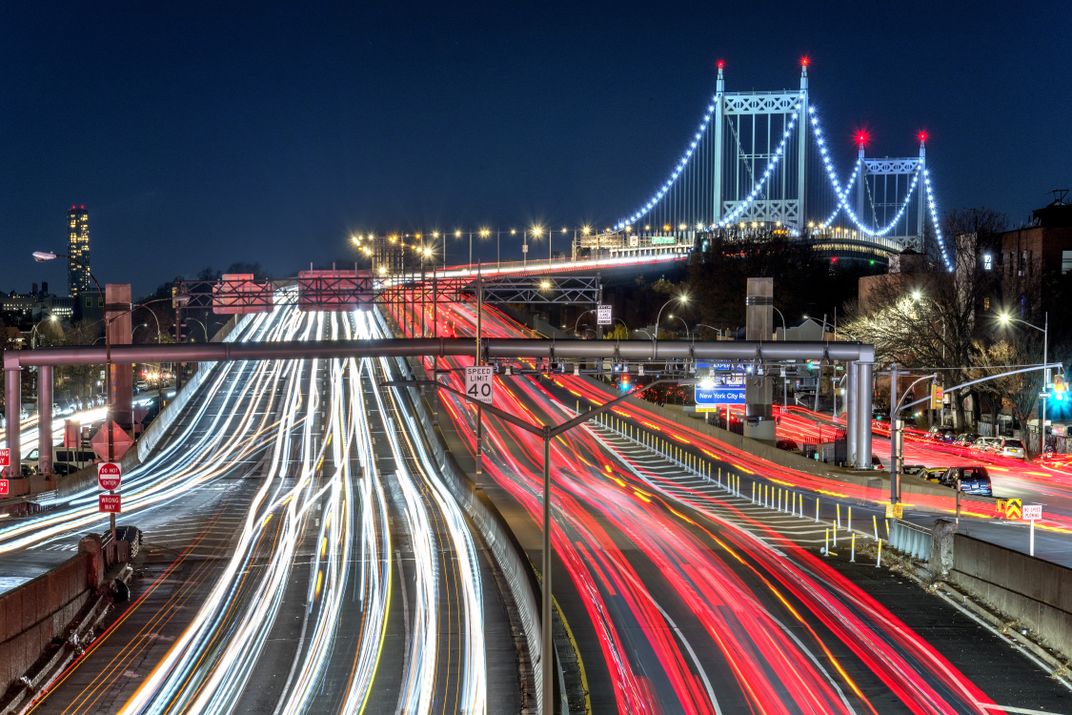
(40, 611)
(508, 554)
(1036, 594)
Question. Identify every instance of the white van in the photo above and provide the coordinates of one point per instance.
(71, 459)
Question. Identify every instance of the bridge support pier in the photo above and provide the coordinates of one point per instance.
(44, 419)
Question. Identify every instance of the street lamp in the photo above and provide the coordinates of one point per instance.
(683, 298)
(202, 324)
(717, 331)
(1005, 318)
(547, 433)
(42, 257)
(577, 322)
(688, 335)
(536, 232)
(33, 333)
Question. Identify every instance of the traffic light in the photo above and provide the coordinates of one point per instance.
(937, 397)
(624, 383)
(1060, 389)
(811, 365)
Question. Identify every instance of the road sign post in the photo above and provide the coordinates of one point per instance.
(1032, 513)
(479, 384)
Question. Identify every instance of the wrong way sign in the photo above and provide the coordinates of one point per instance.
(109, 503)
(109, 475)
(478, 383)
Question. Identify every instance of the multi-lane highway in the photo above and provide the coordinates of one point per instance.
(697, 605)
(303, 554)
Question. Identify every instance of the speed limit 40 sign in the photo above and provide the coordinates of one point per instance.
(478, 383)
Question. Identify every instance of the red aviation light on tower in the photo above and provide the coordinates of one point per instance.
(863, 138)
(922, 135)
(720, 64)
(804, 61)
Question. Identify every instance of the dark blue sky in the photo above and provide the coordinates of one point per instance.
(200, 136)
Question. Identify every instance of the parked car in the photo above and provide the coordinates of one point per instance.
(788, 445)
(1009, 447)
(934, 474)
(965, 439)
(983, 444)
(972, 479)
(914, 470)
(941, 433)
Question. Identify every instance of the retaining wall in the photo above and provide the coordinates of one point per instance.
(39, 611)
(1036, 593)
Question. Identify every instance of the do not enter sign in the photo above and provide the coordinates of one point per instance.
(109, 475)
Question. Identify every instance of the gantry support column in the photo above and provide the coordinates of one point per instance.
(864, 375)
(44, 419)
(852, 406)
(13, 409)
(118, 325)
(759, 324)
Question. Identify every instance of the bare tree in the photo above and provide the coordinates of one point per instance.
(1018, 393)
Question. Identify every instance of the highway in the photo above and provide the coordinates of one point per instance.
(302, 554)
(697, 605)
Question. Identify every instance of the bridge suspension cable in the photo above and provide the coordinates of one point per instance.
(678, 170)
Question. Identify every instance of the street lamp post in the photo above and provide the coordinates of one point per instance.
(688, 335)
(577, 322)
(1005, 319)
(546, 433)
(682, 298)
(202, 324)
(41, 257)
(33, 333)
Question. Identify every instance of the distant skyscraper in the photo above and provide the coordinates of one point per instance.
(78, 250)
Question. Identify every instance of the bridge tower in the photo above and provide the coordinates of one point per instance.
(883, 198)
(755, 134)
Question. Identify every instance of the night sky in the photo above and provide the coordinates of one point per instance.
(199, 136)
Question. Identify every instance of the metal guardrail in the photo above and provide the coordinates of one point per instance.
(911, 539)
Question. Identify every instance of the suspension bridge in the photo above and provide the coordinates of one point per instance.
(759, 164)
